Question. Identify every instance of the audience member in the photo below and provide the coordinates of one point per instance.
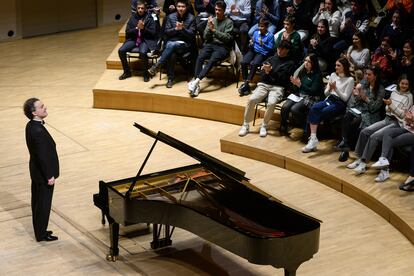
(301, 11)
(364, 109)
(169, 7)
(261, 47)
(329, 11)
(239, 12)
(268, 9)
(218, 42)
(338, 91)
(394, 30)
(382, 59)
(179, 39)
(405, 5)
(358, 53)
(354, 20)
(275, 74)
(140, 37)
(396, 106)
(405, 64)
(394, 137)
(307, 85)
(150, 5)
(321, 44)
(290, 34)
(205, 9)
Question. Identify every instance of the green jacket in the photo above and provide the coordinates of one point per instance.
(371, 110)
(223, 34)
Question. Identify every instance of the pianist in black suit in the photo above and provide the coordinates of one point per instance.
(44, 167)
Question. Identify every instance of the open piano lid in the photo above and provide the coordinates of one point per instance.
(215, 165)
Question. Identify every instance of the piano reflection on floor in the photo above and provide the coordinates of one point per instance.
(214, 201)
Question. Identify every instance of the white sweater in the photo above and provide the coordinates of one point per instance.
(344, 86)
(400, 103)
(334, 21)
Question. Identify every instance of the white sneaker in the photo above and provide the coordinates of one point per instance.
(244, 130)
(311, 146)
(382, 163)
(361, 168)
(382, 176)
(196, 91)
(354, 164)
(263, 131)
(191, 86)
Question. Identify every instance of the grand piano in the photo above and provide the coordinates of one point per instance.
(214, 201)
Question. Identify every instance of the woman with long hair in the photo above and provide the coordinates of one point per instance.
(358, 53)
(328, 10)
(363, 109)
(396, 106)
(307, 85)
(405, 64)
(321, 44)
(337, 92)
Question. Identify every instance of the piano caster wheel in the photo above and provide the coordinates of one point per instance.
(111, 258)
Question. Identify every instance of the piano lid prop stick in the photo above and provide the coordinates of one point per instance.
(140, 169)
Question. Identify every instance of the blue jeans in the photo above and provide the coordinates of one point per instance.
(212, 53)
(171, 48)
(253, 60)
(330, 107)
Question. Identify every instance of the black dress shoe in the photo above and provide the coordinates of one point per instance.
(408, 187)
(169, 83)
(244, 89)
(342, 146)
(283, 130)
(343, 156)
(49, 233)
(125, 75)
(146, 78)
(48, 238)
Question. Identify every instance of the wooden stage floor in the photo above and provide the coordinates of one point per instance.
(96, 144)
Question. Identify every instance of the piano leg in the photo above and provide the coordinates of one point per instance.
(113, 238)
(290, 271)
(103, 218)
(158, 242)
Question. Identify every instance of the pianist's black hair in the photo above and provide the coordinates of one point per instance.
(29, 107)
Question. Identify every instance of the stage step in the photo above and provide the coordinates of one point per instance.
(215, 101)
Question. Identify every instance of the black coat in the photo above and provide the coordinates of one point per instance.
(282, 69)
(44, 162)
(150, 31)
(187, 34)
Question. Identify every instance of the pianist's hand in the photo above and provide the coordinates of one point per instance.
(51, 181)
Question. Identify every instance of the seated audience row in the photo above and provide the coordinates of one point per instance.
(337, 43)
(324, 43)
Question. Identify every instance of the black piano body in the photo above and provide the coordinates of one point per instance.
(214, 201)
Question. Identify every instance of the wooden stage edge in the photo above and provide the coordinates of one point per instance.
(168, 104)
(313, 172)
